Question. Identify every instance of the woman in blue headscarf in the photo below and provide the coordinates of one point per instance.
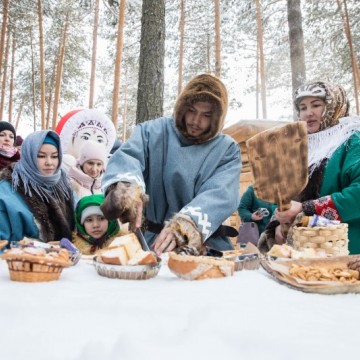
(36, 198)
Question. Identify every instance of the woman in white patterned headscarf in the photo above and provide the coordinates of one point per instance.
(333, 189)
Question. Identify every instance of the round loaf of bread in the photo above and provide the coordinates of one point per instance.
(199, 267)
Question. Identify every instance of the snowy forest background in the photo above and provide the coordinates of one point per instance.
(68, 27)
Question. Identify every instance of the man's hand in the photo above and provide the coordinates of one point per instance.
(125, 202)
(166, 241)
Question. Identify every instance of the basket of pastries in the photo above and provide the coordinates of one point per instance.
(191, 267)
(247, 258)
(331, 275)
(74, 252)
(324, 236)
(125, 259)
(36, 264)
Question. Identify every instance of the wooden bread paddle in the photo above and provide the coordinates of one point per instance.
(278, 159)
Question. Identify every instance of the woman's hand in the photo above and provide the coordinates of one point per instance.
(279, 237)
(164, 242)
(256, 216)
(288, 216)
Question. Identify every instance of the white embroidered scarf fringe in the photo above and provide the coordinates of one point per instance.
(322, 145)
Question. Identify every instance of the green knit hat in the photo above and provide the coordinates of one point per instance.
(93, 201)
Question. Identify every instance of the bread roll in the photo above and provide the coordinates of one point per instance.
(199, 267)
(283, 251)
(129, 242)
(115, 256)
(126, 250)
(143, 258)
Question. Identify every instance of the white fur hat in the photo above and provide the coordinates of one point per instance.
(90, 119)
(90, 210)
(92, 150)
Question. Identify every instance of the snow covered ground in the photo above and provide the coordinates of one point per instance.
(249, 316)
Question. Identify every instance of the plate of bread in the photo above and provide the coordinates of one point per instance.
(125, 259)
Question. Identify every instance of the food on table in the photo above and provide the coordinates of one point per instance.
(199, 267)
(126, 250)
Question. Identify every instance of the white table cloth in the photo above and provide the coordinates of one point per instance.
(248, 316)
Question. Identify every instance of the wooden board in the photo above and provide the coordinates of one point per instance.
(278, 160)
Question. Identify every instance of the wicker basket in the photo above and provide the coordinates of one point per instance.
(28, 271)
(35, 265)
(331, 240)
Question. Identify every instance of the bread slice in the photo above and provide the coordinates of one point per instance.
(115, 256)
(129, 242)
(143, 258)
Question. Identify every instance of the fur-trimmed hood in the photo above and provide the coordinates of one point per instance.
(204, 87)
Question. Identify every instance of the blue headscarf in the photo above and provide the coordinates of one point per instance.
(26, 169)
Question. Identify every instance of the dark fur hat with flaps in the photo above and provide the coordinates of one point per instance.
(204, 87)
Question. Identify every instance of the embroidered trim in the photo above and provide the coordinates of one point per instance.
(325, 207)
(201, 219)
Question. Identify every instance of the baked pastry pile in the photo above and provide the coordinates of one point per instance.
(39, 255)
(286, 251)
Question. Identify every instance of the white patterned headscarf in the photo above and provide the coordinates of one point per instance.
(26, 169)
(336, 126)
(334, 96)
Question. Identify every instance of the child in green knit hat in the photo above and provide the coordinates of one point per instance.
(93, 230)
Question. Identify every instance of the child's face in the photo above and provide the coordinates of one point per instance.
(93, 168)
(96, 226)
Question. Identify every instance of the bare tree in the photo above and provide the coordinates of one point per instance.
(217, 40)
(119, 50)
(33, 78)
(93, 56)
(124, 129)
(181, 49)
(296, 38)
(151, 70)
(261, 58)
(42, 65)
(354, 63)
(19, 115)
(3, 30)
(11, 87)
(60, 65)
(4, 73)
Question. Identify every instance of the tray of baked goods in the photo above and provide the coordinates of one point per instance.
(125, 259)
(327, 275)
